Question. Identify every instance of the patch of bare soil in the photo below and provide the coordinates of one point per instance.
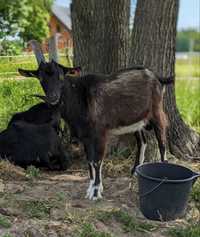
(54, 205)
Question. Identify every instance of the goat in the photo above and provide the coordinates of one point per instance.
(39, 114)
(27, 144)
(99, 105)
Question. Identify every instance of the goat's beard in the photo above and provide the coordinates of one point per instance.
(45, 99)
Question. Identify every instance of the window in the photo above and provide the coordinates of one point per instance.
(58, 28)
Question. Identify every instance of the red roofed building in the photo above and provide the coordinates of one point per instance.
(60, 25)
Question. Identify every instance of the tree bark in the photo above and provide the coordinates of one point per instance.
(100, 34)
(153, 43)
(101, 37)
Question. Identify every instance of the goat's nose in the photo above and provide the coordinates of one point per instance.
(53, 98)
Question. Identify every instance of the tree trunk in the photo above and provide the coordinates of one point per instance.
(153, 43)
(100, 34)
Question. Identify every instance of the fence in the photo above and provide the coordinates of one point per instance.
(9, 64)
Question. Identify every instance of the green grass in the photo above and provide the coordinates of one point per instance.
(88, 230)
(4, 222)
(7, 235)
(188, 68)
(61, 196)
(195, 194)
(41, 209)
(15, 97)
(188, 101)
(190, 231)
(37, 209)
(12, 68)
(9, 67)
(32, 172)
(128, 222)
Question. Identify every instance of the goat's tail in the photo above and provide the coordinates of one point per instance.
(166, 80)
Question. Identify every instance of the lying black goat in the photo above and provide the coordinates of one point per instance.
(27, 144)
(39, 114)
(32, 135)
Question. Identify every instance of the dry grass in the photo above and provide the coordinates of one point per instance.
(9, 171)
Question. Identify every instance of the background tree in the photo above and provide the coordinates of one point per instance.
(26, 19)
(184, 38)
(11, 14)
(101, 34)
(153, 45)
(36, 26)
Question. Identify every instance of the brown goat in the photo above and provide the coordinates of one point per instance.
(99, 105)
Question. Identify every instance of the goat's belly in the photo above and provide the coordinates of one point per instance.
(128, 129)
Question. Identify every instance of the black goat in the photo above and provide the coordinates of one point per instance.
(98, 105)
(27, 144)
(39, 114)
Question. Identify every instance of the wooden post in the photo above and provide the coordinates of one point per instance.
(53, 51)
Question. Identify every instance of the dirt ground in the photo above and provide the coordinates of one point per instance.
(53, 204)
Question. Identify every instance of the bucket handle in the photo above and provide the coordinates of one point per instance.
(195, 176)
(154, 188)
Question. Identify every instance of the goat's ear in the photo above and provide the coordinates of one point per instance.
(74, 71)
(28, 73)
(77, 70)
(70, 70)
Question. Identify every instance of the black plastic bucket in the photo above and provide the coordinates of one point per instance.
(164, 190)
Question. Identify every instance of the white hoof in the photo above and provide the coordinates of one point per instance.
(101, 187)
(94, 193)
(89, 189)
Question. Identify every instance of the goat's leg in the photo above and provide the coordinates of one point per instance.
(64, 159)
(161, 138)
(160, 124)
(91, 176)
(143, 148)
(46, 162)
(141, 144)
(89, 149)
(96, 187)
(95, 153)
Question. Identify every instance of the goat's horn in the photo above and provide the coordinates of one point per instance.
(37, 51)
(52, 44)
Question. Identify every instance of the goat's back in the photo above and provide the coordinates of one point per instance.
(37, 114)
(126, 98)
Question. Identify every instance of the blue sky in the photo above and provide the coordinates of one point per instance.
(189, 13)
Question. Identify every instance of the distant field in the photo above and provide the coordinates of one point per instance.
(9, 65)
(188, 68)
